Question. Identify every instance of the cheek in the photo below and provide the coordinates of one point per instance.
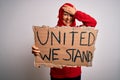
(64, 17)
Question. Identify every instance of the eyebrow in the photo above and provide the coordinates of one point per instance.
(67, 13)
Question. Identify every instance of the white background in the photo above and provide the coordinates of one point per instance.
(16, 37)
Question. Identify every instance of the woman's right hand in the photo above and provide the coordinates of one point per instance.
(35, 50)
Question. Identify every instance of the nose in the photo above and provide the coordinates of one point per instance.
(68, 16)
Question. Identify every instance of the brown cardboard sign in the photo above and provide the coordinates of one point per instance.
(64, 46)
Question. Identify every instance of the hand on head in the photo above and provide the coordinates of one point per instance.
(68, 9)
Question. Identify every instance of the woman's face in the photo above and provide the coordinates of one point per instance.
(67, 19)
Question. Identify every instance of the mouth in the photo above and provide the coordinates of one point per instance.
(68, 21)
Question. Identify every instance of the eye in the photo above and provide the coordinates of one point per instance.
(65, 13)
(71, 15)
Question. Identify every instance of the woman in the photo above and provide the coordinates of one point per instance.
(67, 16)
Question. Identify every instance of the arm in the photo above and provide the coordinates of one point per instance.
(86, 19)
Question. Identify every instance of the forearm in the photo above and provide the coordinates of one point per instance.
(86, 19)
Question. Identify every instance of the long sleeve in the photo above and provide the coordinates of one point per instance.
(86, 19)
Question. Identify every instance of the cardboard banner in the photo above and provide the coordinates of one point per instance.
(64, 46)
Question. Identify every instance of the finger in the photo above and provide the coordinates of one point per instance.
(35, 51)
(69, 7)
(34, 47)
(63, 8)
(66, 9)
(36, 54)
(66, 6)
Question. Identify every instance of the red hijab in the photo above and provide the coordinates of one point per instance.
(60, 16)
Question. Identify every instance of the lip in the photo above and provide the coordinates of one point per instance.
(67, 21)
